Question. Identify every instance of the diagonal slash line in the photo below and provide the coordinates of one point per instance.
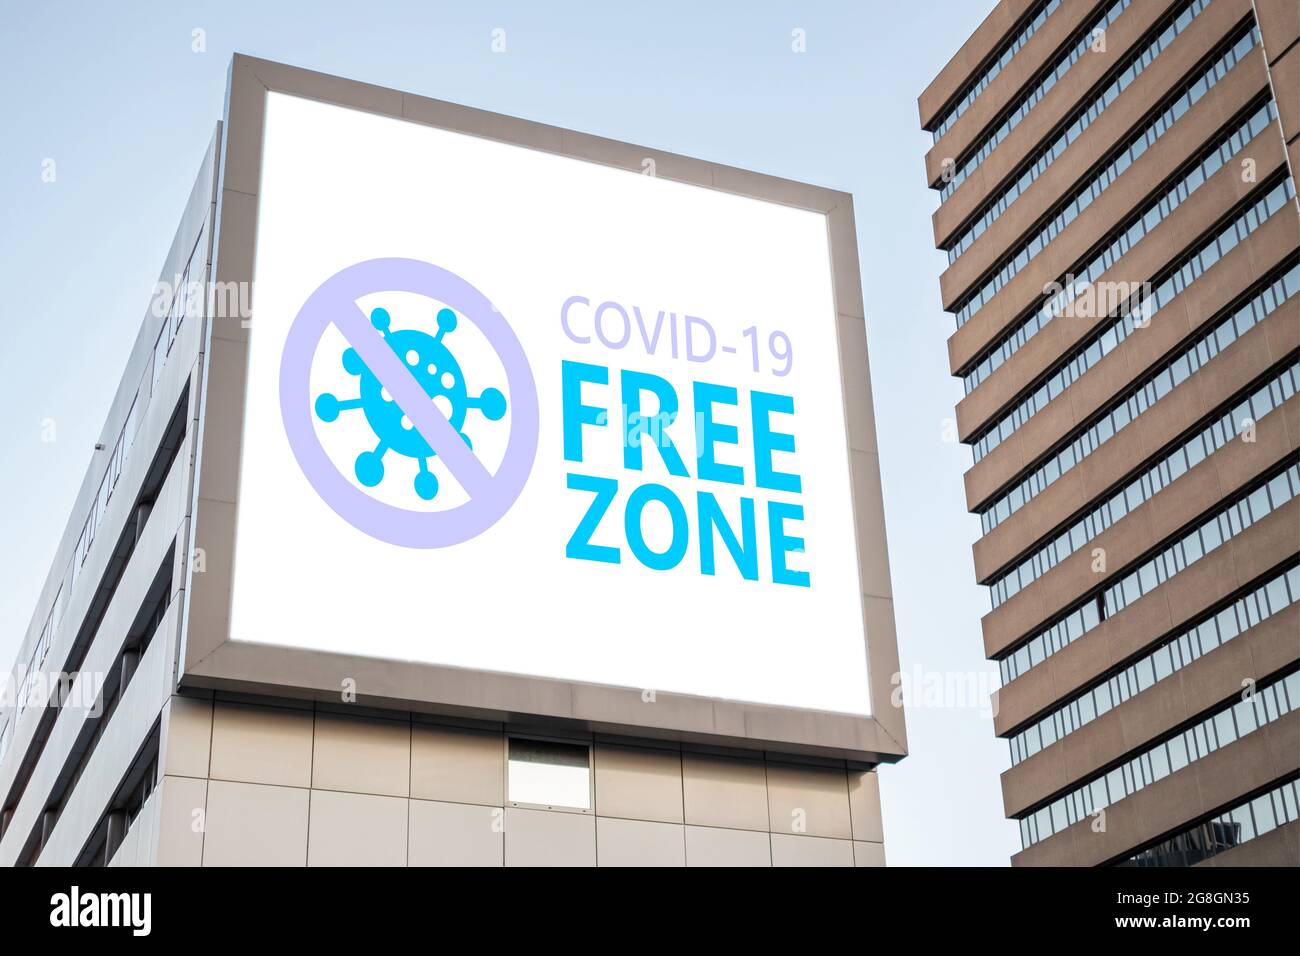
(411, 398)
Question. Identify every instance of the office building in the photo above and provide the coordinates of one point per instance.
(1117, 203)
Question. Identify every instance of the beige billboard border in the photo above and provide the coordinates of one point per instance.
(209, 660)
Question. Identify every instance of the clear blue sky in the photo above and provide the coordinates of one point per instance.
(116, 96)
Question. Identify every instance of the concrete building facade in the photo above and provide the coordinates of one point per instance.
(112, 754)
(1117, 204)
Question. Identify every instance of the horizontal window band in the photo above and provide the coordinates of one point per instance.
(1127, 585)
(1070, 368)
(1035, 477)
(1242, 821)
(1201, 80)
(1188, 644)
(1057, 298)
(993, 66)
(1232, 720)
(1179, 457)
(1122, 76)
(1134, 492)
(1070, 129)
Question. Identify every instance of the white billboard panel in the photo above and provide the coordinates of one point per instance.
(512, 411)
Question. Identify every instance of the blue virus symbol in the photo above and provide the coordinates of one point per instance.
(431, 364)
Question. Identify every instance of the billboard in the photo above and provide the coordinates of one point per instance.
(511, 412)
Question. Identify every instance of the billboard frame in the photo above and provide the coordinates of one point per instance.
(211, 661)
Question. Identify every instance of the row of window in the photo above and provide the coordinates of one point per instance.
(181, 305)
(1166, 470)
(127, 805)
(48, 629)
(1150, 574)
(1086, 357)
(1008, 50)
(116, 459)
(171, 326)
(1179, 103)
(101, 717)
(969, 307)
(1132, 230)
(1229, 829)
(1218, 730)
(1009, 502)
(1113, 295)
(1172, 655)
(99, 504)
(147, 620)
(1082, 43)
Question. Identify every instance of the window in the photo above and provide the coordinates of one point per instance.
(549, 773)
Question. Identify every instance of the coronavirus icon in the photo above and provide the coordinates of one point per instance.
(432, 364)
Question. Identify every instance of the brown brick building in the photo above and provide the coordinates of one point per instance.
(1118, 208)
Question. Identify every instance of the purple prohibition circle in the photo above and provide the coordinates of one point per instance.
(335, 303)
